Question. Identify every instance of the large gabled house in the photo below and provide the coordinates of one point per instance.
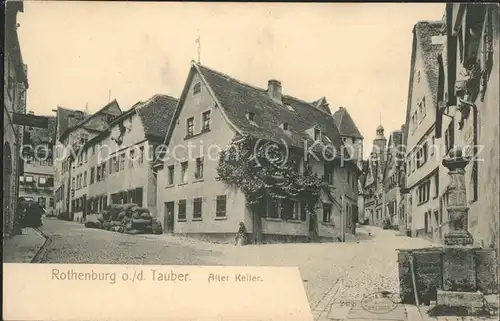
(213, 112)
(423, 155)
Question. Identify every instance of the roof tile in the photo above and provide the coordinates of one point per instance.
(238, 99)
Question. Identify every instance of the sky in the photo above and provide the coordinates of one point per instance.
(357, 55)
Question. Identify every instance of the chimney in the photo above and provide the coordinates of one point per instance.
(274, 89)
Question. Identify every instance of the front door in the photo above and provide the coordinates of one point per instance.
(169, 217)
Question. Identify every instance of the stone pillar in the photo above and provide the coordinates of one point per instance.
(457, 209)
(458, 255)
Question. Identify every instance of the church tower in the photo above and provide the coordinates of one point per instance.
(379, 145)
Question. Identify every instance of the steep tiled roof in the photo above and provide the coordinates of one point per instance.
(345, 124)
(425, 30)
(39, 136)
(238, 99)
(84, 122)
(155, 114)
(63, 118)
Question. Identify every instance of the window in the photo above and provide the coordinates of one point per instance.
(103, 171)
(317, 134)
(171, 175)
(122, 161)
(424, 192)
(21, 179)
(115, 164)
(328, 175)
(433, 145)
(190, 127)
(251, 116)
(131, 159)
(220, 208)
(197, 207)
(97, 174)
(28, 179)
(327, 213)
(141, 154)
(85, 179)
(197, 88)
(424, 108)
(51, 202)
(42, 180)
(182, 210)
(92, 173)
(206, 121)
(290, 209)
(436, 185)
(285, 126)
(272, 208)
(199, 168)
(348, 177)
(184, 168)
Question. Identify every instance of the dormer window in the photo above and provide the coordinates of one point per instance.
(284, 126)
(251, 117)
(197, 88)
(317, 134)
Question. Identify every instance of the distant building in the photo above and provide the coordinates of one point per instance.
(423, 155)
(373, 189)
(353, 140)
(37, 181)
(215, 110)
(15, 86)
(118, 166)
(73, 129)
(391, 179)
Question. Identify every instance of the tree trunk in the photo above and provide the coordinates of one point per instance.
(313, 227)
(256, 225)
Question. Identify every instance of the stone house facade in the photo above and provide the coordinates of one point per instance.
(468, 113)
(423, 152)
(215, 110)
(119, 165)
(37, 181)
(14, 101)
(391, 176)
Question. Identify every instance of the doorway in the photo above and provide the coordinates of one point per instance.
(169, 217)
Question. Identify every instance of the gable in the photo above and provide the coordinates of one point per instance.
(345, 124)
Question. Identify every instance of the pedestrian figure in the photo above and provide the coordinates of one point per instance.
(241, 236)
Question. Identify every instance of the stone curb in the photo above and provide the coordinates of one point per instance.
(42, 251)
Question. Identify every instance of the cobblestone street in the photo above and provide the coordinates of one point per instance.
(333, 273)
